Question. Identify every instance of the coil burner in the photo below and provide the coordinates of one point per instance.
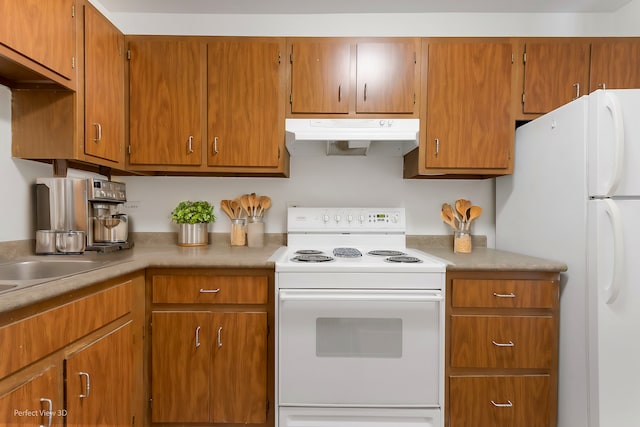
(385, 252)
(403, 259)
(347, 253)
(312, 258)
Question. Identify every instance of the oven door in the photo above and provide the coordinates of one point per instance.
(378, 348)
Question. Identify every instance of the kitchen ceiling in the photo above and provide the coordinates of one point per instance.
(359, 6)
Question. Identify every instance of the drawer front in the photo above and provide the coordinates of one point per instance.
(502, 341)
(501, 401)
(504, 293)
(210, 289)
(34, 337)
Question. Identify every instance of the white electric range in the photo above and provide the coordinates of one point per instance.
(360, 322)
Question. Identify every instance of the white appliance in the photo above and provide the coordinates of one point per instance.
(575, 197)
(360, 335)
(351, 136)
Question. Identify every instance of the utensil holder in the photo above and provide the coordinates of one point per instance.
(462, 242)
(238, 232)
(255, 232)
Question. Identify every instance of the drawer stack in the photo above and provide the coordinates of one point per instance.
(502, 349)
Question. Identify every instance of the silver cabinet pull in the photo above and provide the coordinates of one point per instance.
(577, 86)
(215, 145)
(49, 412)
(506, 344)
(209, 291)
(198, 337)
(220, 337)
(437, 141)
(190, 144)
(502, 405)
(509, 295)
(602, 86)
(365, 92)
(98, 137)
(87, 384)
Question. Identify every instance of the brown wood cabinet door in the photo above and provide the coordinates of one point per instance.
(320, 76)
(181, 366)
(386, 77)
(555, 73)
(615, 65)
(43, 31)
(165, 101)
(502, 401)
(468, 117)
(100, 382)
(239, 381)
(245, 102)
(38, 394)
(104, 87)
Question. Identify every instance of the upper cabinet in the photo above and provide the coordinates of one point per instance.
(348, 76)
(467, 127)
(104, 87)
(245, 103)
(85, 126)
(615, 64)
(37, 41)
(166, 101)
(207, 105)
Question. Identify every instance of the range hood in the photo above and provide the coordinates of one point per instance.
(351, 136)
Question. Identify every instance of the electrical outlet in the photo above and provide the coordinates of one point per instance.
(132, 205)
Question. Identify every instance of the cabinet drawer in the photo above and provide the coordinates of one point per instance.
(500, 401)
(502, 341)
(210, 289)
(34, 337)
(504, 293)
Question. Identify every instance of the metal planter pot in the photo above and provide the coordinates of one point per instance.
(193, 234)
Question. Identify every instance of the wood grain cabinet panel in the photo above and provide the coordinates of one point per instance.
(615, 64)
(210, 289)
(502, 341)
(246, 104)
(555, 73)
(43, 31)
(31, 403)
(165, 101)
(501, 401)
(504, 293)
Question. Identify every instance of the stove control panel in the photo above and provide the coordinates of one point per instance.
(304, 219)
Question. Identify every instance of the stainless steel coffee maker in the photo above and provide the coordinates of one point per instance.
(108, 226)
(78, 214)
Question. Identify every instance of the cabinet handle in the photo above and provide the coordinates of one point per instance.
(340, 93)
(502, 405)
(499, 344)
(49, 412)
(577, 86)
(510, 295)
(198, 337)
(220, 337)
(190, 144)
(98, 137)
(437, 141)
(87, 384)
(365, 92)
(209, 291)
(215, 145)
(602, 86)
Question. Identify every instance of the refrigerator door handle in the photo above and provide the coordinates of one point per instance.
(612, 289)
(612, 104)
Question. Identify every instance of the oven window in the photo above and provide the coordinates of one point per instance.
(358, 337)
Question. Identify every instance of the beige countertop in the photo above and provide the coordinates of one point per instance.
(219, 253)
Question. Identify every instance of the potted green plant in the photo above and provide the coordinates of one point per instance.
(193, 220)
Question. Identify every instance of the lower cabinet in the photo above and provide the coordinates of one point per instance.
(502, 349)
(211, 354)
(75, 360)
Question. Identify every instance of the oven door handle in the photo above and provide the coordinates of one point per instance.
(360, 295)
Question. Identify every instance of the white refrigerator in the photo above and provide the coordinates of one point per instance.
(575, 197)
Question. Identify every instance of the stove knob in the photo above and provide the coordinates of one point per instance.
(337, 218)
(326, 218)
(361, 219)
(349, 219)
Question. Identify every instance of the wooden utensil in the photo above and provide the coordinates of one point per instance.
(461, 207)
(447, 217)
(447, 211)
(264, 203)
(224, 205)
(244, 202)
(474, 212)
